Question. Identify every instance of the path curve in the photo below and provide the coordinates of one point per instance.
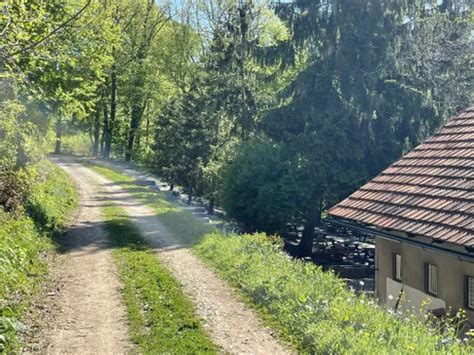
(230, 323)
(85, 313)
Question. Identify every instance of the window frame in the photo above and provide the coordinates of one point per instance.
(429, 279)
(397, 266)
(469, 302)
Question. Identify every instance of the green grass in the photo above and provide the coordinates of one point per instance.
(24, 241)
(161, 318)
(51, 198)
(308, 307)
(313, 309)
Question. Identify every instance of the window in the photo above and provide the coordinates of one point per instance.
(470, 292)
(397, 267)
(432, 279)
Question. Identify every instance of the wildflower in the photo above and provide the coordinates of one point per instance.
(362, 283)
(390, 297)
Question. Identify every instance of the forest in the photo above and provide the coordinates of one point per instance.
(271, 111)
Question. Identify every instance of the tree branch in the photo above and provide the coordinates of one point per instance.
(53, 32)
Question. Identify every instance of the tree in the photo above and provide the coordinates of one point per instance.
(139, 37)
(225, 96)
(353, 109)
(43, 72)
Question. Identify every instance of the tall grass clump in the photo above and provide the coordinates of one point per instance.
(313, 309)
(25, 237)
(51, 197)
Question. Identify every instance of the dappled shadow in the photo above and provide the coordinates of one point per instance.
(119, 232)
(88, 236)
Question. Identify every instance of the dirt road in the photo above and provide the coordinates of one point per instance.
(92, 318)
(83, 314)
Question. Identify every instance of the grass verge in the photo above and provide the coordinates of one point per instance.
(161, 318)
(25, 239)
(313, 309)
(310, 308)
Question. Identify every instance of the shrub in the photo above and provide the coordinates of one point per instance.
(260, 188)
(313, 309)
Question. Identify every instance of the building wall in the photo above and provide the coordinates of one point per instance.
(451, 275)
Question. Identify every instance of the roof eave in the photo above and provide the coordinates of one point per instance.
(447, 248)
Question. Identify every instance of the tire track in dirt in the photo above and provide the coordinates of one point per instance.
(84, 314)
(230, 323)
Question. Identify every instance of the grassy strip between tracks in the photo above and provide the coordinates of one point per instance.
(186, 228)
(161, 318)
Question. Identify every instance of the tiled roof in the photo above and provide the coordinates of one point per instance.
(428, 192)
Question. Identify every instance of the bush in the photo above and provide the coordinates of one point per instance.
(313, 309)
(260, 188)
(24, 237)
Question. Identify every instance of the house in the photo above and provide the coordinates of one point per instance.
(421, 211)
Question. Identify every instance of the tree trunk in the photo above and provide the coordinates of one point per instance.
(305, 248)
(113, 110)
(210, 208)
(102, 145)
(134, 124)
(59, 134)
(147, 131)
(105, 134)
(138, 140)
(95, 147)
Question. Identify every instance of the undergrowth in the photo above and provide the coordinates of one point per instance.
(25, 237)
(78, 144)
(161, 318)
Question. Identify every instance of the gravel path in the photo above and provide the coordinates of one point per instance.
(230, 323)
(84, 313)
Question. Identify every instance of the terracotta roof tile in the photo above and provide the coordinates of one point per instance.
(428, 192)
